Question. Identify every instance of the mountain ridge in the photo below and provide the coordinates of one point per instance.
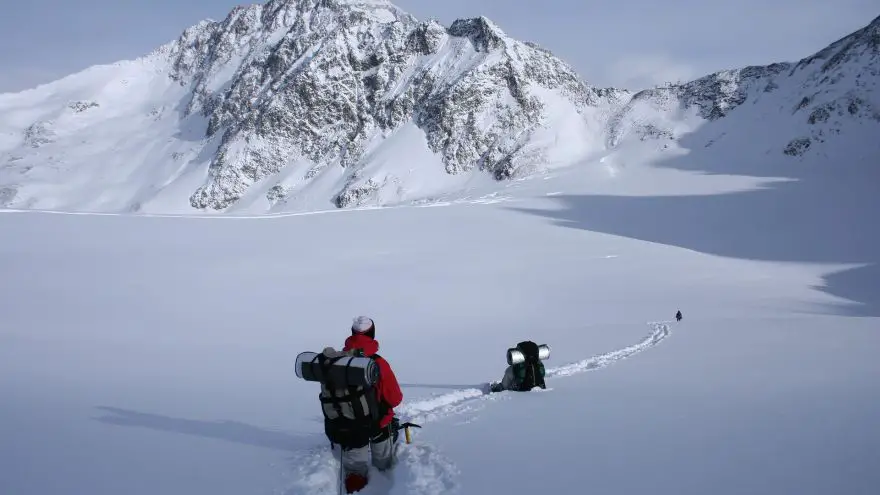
(295, 100)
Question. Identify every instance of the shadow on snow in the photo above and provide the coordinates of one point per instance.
(824, 215)
(230, 431)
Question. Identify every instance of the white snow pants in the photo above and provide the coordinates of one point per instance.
(382, 447)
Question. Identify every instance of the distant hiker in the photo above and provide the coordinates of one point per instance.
(678, 316)
(525, 370)
(359, 392)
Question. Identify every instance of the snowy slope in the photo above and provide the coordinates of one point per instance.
(814, 108)
(303, 105)
(134, 360)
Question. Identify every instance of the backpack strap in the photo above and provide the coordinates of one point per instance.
(324, 362)
(355, 394)
(378, 408)
(539, 375)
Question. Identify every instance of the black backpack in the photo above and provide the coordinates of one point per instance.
(529, 374)
(351, 410)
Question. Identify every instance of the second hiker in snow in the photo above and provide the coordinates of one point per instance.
(525, 370)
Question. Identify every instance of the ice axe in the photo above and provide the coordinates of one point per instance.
(405, 427)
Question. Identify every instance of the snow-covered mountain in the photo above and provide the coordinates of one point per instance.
(310, 104)
(816, 97)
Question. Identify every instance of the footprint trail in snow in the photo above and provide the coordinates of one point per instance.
(466, 399)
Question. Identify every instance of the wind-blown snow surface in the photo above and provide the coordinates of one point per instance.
(149, 354)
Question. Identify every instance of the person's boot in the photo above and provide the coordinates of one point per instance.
(355, 482)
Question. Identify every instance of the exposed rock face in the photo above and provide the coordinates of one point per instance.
(317, 80)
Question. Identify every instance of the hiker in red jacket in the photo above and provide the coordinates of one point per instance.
(356, 458)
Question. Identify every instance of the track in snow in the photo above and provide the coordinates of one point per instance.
(660, 331)
(447, 404)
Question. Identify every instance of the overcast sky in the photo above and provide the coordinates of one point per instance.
(625, 43)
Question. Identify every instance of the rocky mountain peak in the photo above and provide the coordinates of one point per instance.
(207, 46)
(482, 32)
(426, 38)
(317, 81)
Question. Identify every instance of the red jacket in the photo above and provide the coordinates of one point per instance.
(387, 388)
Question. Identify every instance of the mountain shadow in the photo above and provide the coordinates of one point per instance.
(824, 214)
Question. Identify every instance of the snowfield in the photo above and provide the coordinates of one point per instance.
(154, 354)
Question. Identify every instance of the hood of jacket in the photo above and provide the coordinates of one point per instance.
(360, 341)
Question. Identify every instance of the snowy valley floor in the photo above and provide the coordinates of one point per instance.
(154, 355)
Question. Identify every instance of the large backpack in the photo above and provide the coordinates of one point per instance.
(529, 373)
(348, 401)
